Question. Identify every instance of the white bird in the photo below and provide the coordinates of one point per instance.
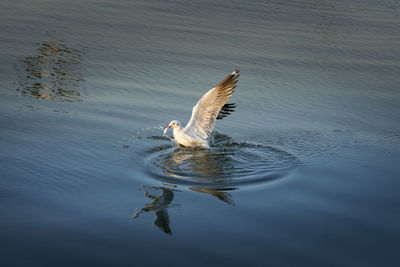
(211, 106)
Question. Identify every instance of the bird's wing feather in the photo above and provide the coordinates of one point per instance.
(206, 111)
(226, 110)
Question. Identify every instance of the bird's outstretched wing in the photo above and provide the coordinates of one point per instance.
(206, 111)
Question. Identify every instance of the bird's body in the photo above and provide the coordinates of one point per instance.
(187, 138)
(211, 106)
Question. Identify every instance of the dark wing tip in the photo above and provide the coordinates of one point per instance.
(226, 109)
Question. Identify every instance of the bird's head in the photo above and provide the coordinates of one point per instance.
(172, 124)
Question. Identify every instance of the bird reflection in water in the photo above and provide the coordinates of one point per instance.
(218, 192)
(212, 167)
(209, 171)
(55, 73)
(161, 203)
(160, 206)
(203, 165)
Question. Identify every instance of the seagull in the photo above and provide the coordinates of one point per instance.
(211, 106)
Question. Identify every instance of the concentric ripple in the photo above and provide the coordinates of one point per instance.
(226, 163)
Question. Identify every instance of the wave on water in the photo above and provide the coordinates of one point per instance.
(230, 162)
(227, 163)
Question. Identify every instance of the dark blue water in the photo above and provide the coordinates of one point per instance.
(304, 173)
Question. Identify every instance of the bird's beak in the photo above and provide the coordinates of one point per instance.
(166, 129)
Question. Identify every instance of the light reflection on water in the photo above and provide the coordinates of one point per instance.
(55, 73)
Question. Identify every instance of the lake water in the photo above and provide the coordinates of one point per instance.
(305, 172)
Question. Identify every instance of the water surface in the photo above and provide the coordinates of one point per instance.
(304, 173)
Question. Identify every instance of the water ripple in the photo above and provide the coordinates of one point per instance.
(229, 162)
(226, 163)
